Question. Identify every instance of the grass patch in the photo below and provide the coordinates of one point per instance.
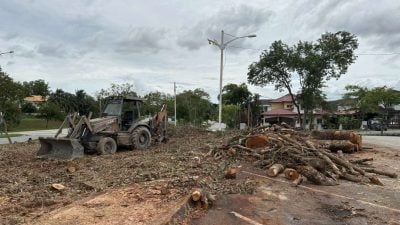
(28, 124)
(9, 135)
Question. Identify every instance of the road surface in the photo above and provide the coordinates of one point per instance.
(31, 134)
(384, 141)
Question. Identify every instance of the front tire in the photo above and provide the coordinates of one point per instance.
(141, 138)
(106, 146)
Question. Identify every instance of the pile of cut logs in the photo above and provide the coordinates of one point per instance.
(318, 156)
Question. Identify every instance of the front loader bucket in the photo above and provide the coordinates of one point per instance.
(60, 148)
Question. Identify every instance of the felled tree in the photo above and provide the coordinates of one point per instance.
(309, 63)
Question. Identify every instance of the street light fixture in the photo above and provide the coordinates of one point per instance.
(222, 47)
(10, 52)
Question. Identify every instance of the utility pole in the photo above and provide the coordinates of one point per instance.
(221, 71)
(175, 103)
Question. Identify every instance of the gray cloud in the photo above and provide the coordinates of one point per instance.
(378, 22)
(52, 50)
(22, 51)
(150, 43)
(9, 36)
(142, 40)
(239, 20)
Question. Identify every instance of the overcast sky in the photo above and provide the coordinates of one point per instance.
(89, 44)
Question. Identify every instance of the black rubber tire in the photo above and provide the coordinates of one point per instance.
(141, 138)
(106, 146)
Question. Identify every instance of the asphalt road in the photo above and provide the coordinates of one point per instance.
(384, 141)
(31, 134)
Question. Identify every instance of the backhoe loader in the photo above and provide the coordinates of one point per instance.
(119, 126)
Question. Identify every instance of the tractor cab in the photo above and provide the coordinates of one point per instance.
(127, 109)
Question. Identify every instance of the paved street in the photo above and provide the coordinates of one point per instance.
(31, 134)
(385, 141)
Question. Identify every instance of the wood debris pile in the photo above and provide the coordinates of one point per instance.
(317, 156)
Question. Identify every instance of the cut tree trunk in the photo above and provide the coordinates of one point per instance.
(336, 145)
(375, 180)
(339, 135)
(298, 181)
(274, 170)
(256, 141)
(196, 194)
(380, 172)
(291, 174)
(360, 161)
(315, 177)
(201, 198)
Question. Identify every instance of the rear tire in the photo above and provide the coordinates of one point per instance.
(141, 138)
(106, 146)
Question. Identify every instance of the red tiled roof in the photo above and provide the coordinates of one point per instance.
(279, 112)
(286, 98)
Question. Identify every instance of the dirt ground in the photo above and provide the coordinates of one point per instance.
(275, 201)
(26, 193)
(150, 187)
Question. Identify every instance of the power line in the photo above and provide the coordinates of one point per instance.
(259, 49)
(378, 54)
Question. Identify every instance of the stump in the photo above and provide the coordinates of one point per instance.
(291, 174)
(256, 141)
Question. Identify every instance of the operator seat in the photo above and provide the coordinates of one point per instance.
(127, 120)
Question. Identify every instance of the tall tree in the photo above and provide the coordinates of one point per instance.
(79, 102)
(85, 103)
(355, 98)
(233, 94)
(382, 98)
(10, 98)
(36, 87)
(50, 111)
(312, 62)
(66, 101)
(153, 102)
(194, 106)
(125, 89)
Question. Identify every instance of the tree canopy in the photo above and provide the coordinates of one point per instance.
(307, 65)
(376, 100)
(233, 94)
(125, 89)
(10, 98)
(36, 87)
(194, 106)
(78, 102)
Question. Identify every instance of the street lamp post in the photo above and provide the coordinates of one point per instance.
(10, 52)
(222, 47)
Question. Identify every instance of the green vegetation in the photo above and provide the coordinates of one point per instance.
(9, 135)
(310, 64)
(307, 65)
(350, 123)
(10, 96)
(28, 124)
(378, 100)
